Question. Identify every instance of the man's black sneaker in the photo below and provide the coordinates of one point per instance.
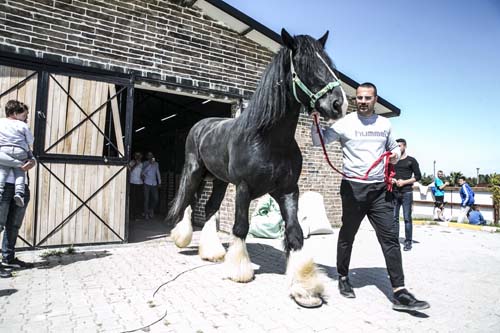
(345, 287)
(17, 263)
(4, 273)
(404, 301)
(407, 246)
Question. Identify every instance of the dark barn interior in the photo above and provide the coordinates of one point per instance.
(161, 123)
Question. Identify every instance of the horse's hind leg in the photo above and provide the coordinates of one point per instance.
(191, 179)
(210, 247)
(306, 280)
(237, 262)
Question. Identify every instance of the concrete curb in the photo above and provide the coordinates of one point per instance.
(459, 225)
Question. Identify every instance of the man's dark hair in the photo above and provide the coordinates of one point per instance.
(401, 141)
(462, 177)
(369, 85)
(14, 107)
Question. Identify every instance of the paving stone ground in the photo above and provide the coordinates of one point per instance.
(110, 288)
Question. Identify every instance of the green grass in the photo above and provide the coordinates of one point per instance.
(58, 252)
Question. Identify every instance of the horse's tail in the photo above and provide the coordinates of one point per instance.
(176, 212)
(191, 178)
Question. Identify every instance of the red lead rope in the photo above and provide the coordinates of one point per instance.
(388, 167)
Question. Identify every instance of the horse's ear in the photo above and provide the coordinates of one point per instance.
(323, 39)
(288, 40)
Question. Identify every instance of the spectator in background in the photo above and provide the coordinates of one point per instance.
(439, 214)
(407, 173)
(467, 196)
(152, 180)
(136, 186)
(439, 186)
(475, 216)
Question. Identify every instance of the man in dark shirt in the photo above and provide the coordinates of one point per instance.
(407, 172)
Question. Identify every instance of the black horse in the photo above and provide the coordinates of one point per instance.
(258, 153)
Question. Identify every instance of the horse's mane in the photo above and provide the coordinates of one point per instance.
(268, 104)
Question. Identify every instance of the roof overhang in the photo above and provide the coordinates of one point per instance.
(262, 35)
(241, 23)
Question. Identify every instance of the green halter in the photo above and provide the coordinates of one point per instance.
(313, 97)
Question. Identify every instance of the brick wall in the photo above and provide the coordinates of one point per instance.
(158, 40)
(153, 38)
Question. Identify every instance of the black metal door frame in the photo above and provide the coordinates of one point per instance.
(44, 69)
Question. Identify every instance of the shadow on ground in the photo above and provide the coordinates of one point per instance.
(147, 230)
(63, 259)
(269, 259)
(7, 292)
(402, 241)
(370, 276)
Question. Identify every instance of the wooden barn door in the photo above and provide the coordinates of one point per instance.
(21, 84)
(82, 179)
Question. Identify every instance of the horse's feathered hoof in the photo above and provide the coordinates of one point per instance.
(237, 262)
(183, 231)
(308, 302)
(307, 280)
(210, 247)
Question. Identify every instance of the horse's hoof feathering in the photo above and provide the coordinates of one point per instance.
(183, 231)
(307, 281)
(210, 247)
(237, 263)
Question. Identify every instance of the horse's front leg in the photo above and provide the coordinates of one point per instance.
(237, 262)
(306, 280)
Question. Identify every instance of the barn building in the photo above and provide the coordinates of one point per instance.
(105, 78)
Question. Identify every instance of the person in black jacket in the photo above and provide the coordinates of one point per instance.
(407, 173)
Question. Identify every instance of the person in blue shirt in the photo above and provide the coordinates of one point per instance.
(439, 186)
(475, 216)
(467, 196)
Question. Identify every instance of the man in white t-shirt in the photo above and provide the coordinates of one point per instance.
(11, 219)
(363, 137)
(136, 186)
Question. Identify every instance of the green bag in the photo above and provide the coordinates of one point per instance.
(266, 221)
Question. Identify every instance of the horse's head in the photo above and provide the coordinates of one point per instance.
(313, 79)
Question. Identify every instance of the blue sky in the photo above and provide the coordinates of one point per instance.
(438, 61)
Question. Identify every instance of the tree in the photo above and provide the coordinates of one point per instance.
(484, 179)
(426, 179)
(454, 175)
(494, 184)
(472, 181)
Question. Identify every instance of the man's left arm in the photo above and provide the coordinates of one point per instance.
(29, 164)
(416, 174)
(158, 174)
(465, 197)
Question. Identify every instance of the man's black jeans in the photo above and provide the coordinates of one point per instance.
(11, 218)
(371, 200)
(404, 199)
